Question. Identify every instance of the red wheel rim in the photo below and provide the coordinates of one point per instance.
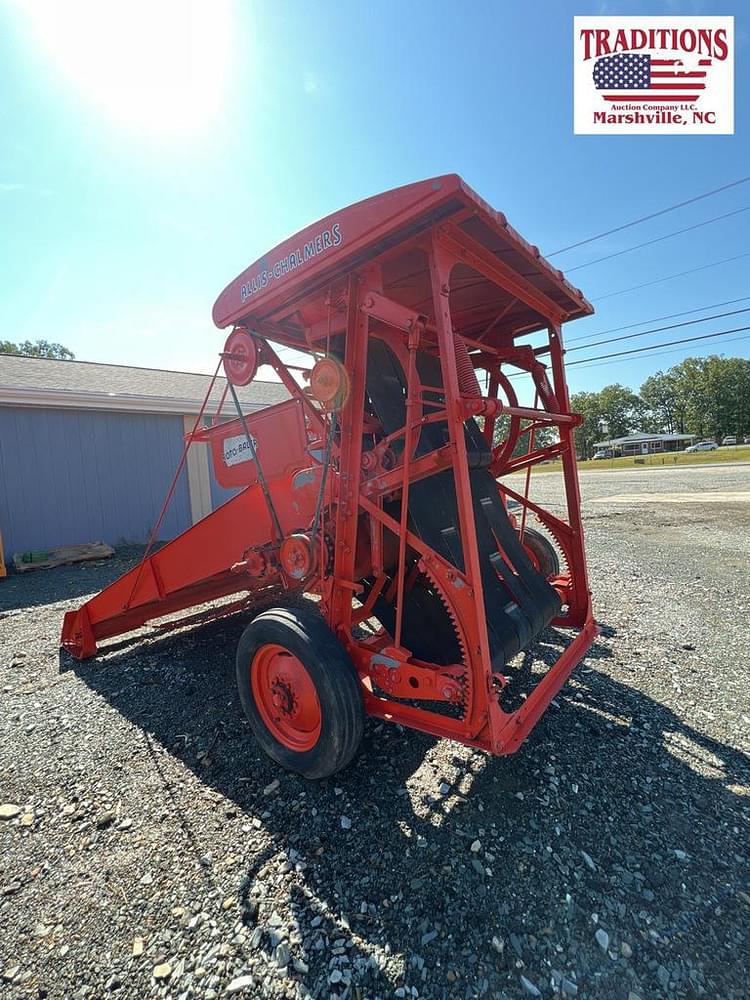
(285, 697)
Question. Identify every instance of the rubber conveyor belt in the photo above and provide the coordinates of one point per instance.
(519, 602)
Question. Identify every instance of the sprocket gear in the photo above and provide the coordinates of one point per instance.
(559, 544)
(534, 521)
(465, 679)
(431, 630)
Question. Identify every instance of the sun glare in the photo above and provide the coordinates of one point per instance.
(157, 66)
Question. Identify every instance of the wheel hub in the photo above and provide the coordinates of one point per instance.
(286, 698)
(283, 696)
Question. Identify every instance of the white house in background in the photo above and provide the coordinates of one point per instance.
(646, 444)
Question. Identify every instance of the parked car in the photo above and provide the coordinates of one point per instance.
(604, 454)
(729, 439)
(746, 439)
(702, 446)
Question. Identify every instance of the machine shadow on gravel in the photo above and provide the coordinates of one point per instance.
(66, 583)
(608, 771)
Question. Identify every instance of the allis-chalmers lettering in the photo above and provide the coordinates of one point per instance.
(316, 245)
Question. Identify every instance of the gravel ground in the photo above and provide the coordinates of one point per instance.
(155, 853)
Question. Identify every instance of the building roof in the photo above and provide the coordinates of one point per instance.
(640, 438)
(90, 385)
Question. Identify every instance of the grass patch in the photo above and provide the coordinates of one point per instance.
(741, 453)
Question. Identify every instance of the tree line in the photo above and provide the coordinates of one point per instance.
(36, 349)
(708, 397)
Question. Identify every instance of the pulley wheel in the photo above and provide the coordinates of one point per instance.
(240, 357)
(297, 556)
(329, 383)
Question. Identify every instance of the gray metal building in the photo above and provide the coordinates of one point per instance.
(87, 451)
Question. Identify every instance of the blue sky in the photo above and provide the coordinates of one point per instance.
(149, 153)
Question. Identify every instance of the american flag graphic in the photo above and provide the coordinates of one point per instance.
(620, 75)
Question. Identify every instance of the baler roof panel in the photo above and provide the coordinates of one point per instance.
(274, 286)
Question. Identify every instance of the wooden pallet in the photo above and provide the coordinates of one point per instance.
(64, 555)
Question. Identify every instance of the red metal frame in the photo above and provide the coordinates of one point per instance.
(426, 268)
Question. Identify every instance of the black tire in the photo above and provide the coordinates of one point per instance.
(543, 551)
(303, 633)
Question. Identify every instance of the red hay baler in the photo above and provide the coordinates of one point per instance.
(383, 486)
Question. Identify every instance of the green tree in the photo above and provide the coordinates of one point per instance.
(616, 406)
(622, 409)
(701, 396)
(37, 349)
(704, 396)
(665, 409)
(727, 387)
(588, 405)
(739, 374)
(690, 378)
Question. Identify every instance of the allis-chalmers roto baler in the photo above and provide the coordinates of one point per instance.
(383, 485)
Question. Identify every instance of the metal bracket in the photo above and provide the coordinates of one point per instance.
(391, 313)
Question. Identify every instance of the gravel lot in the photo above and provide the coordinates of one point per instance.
(155, 853)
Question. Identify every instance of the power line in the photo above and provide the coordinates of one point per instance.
(670, 277)
(652, 347)
(657, 319)
(658, 329)
(661, 354)
(652, 215)
(657, 239)
(642, 350)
